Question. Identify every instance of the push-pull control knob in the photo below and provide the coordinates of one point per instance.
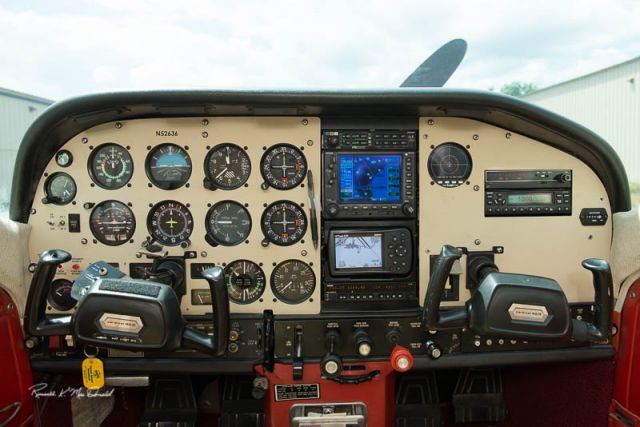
(401, 359)
(433, 350)
(331, 365)
(364, 344)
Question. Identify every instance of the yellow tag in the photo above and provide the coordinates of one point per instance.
(92, 373)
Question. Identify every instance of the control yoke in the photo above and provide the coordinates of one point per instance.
(120, 312)
(517, 305)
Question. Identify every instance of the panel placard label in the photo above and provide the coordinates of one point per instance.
(297, 391)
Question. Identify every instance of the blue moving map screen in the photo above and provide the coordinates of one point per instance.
(370, 178)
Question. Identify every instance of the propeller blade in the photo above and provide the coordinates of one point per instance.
(439, 67)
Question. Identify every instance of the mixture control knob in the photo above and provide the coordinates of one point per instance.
(364, 344)
(332, 209)
(433, 350)
(401, 359)
(408, 210)
(331, 365)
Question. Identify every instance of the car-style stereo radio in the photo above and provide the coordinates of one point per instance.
(369, 184)
(527, 192)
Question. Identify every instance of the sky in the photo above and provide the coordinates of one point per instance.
(59, 49)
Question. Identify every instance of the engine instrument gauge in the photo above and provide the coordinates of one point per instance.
(112, 222)
(60, 295)
(245, 280)
(59, 189)
(168, 166)
(110, 166)
(170, 223)
(228, 223)
(227, 167)
(283, 166)
(449, 164)
(284, 223)
(293, 281)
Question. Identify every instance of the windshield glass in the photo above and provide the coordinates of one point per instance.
(541, 51)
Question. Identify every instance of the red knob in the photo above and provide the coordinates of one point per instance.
(401, 359)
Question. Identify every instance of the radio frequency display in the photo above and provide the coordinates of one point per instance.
(370, 178)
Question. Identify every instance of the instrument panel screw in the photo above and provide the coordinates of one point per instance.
(85, 140)
(205, 122)
(477, 242)
(310, 143)
(303, 253)
(203, 254)
(476, 188)
(305, 122)
(33, 211)
(32, 267)
(118, 125)
(84, 241)
(430, 122)
(205, 134)
(476, 137)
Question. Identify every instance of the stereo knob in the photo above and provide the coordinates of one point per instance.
(332, 209)
(565, 177)
(401, 359)
(408, 210)
(433, 350)
(364, 344)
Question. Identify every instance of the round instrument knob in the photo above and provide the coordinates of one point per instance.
(408, 210)
(331, 365)
(332, 209)
(565, 177)
(401, 359)
(433, 350)
(364, 344)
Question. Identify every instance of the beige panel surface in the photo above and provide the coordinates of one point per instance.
(545, 246)
(253, 132)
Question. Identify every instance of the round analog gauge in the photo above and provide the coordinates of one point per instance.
(110, 166)
(293, 281)
(228, 223)
(284, 223)
(112, 223)
(283, 166)
(59, 189)
(168, 166)
(449, 164)
(226, 166)
(245, 280)
(170, 223)
(60, 295)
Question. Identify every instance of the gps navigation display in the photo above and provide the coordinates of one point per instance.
(370, 178)
(354, 251)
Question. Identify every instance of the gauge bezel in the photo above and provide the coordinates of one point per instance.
(212, 183)
(268, 208)
(55, 304)
(108, 243)
(259, 268)
(151, 229)
(47, 191)
(91, 158)
(210, 214)
(465, 153)
(279, 295)
(166, 185)
(275, 147)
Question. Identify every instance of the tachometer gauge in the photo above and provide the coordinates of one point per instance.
(60, 295)
(110, 166)
(293, 281)
(59, 189)
(112, 223)
(168, 166)
(228, 223)
(226, 166)
(245, 280)
(170, 223)
(449, 165)
(284, 223)
(283, 166)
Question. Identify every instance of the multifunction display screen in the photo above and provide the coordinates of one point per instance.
(370, 178)
(358, 250)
